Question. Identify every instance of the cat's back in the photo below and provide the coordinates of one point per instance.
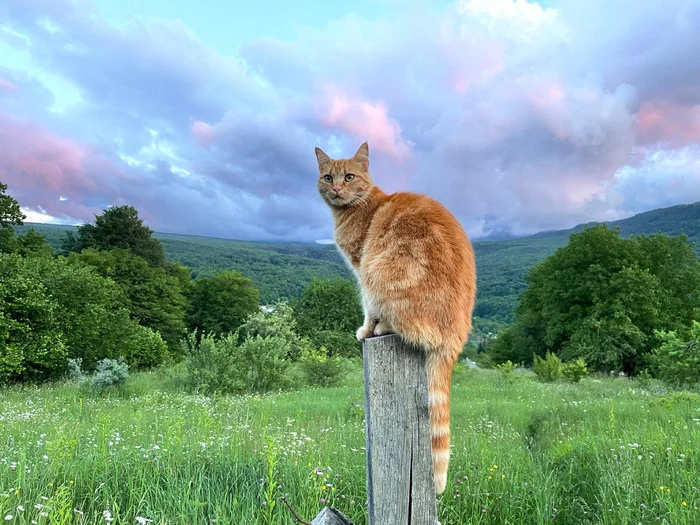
(418, 216)
(418, 227)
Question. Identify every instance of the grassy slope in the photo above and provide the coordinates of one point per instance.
(524, 452)
(282, 270)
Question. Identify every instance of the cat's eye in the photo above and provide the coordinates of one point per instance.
(328, 178)
(349, 177)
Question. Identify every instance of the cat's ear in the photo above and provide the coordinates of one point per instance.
(362, 156)
(322, 158)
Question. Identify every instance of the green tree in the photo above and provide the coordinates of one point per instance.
(602, 297)
(51, 310)
(31, 244)
(31, 341)
(92, 317)
(119, 227)
(9, 209)
(153, 297)
(329, 313)
(676, 360)
(10, 214)
(221, 304)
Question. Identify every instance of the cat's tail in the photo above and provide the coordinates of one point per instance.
(439, 369)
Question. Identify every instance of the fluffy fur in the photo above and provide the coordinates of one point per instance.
(415, 266)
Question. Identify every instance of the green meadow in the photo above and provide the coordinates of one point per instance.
(603, 451)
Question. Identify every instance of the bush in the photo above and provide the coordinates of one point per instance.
(143, 348)
(223, 366)
(677, 360)
(75, 370)
(575, 370)
(340, 344)
(262, 363)
(506, 369)
(548, 369)
(320, 369)
(277, 323)
(109, 373)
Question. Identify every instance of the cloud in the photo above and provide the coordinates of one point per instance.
(518, 117)
(7, 85)
(203, 132)
(662, 178)
(364, 120)
(39, 167)
(666, 121)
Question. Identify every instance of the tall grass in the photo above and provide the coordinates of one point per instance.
(598, 452)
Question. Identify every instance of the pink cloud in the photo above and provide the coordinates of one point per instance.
(6, 84)
(366, 120)
(203, 133)
(465, 71)
(661, 120)
(40, 166)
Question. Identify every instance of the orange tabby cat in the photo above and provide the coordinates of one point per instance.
(416, 270)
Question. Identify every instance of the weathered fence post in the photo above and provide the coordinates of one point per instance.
(400, 485)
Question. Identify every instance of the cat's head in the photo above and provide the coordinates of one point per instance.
(344, 182)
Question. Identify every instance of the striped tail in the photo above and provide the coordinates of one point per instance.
(439, 374)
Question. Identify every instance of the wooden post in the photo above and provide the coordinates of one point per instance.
(400, 485)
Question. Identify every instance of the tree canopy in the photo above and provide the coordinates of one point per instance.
(602, 298)
(220, 304)
(118, 227)
(329, 312)
(153, 297)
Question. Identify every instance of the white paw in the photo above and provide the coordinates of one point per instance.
(363, 333)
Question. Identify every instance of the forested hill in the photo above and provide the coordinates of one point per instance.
(282, 270)
(676, 220)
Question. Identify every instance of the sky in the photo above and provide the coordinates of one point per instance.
(518, 116)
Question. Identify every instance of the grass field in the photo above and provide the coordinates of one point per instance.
(600, 452)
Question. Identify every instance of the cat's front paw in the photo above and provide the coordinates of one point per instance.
(364, 332)
(382, 328)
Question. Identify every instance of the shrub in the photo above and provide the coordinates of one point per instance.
(575, 370)
(340, 344)
(548, 369)
(277, 323)
(75, 370)
(143, 348)
(211, 364)
(223, 366)
(109, 373)
(262, 363)
(506, 369)
(320, 369)
(677, 360)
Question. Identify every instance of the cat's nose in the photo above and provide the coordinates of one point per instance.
(336, 190)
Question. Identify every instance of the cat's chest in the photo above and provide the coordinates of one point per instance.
(349, 244)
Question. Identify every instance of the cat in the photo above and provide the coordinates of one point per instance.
(417, 275)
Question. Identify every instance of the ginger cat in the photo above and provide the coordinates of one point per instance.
(416, 270)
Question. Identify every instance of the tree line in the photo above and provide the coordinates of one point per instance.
(617, 304)
(620, 304)
(109, 292)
